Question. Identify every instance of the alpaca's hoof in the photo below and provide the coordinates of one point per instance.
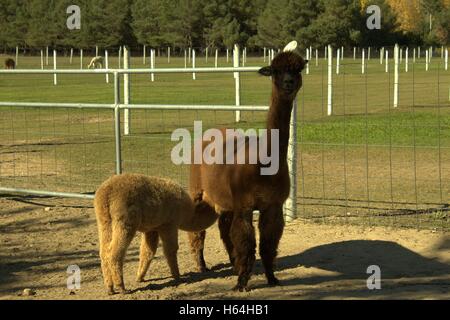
(273, 282)
(241, 288)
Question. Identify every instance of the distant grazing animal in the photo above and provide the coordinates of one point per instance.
(96, 63)
(157, 207)
(10, 64)
(234, 191)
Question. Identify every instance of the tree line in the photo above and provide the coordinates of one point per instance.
(221, 23)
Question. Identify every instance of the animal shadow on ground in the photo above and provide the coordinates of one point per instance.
(349, 260)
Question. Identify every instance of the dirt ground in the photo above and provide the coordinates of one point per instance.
(40, 238)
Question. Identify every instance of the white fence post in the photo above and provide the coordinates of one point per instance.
(427, 58)
(217, 58)
(368, 54)
(189, 55)
(206, 54)
(418, 55)
(265, 51)
(237, 81)
(291, 203)
(308, 53)
(406, 60)
(126, 91)
(387, 61)
(152, 63)
(168, 55)
(228, 55)
(81, 59)
(330, 80)
(414, 55)
(194, 76)
(42, 59)
(55, 77)
(120, 57)
(144, 55)
(354, 53)
(396, 75)
(17, 56)
(338, 56)
(363, 61)
(446, 59)
(96, 51)
(46, 58)
(107, 65)
(185, 59)
(71, 55)
(317, 58)
(401, 55)
(381, 55)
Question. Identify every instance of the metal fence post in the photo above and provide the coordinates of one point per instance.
(118, 144)
(290, 206)
(126, 91)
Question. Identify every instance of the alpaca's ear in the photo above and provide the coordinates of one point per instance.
(266, 71)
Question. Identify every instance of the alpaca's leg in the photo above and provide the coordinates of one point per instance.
(149, 245)
(243, 238)
(169, 238)
(225, 220)
(271, 225)
(197, 241)
(105, 234)
(121, 239)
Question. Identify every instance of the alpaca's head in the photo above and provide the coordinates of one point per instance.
(285, 71)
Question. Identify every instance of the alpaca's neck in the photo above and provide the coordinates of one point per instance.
(279, 118)
(202, 218)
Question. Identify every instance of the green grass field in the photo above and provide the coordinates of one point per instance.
(368, 163)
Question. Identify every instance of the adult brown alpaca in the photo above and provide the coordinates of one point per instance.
(10, 64)
(234, 191)
(157, 207)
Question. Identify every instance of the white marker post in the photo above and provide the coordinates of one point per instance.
(55, 78)
(71, 55)
(17, 56)
(194, 76)
(189, 55)
(152, 63)
(81, 59)
(401, 55)
(96, 51)
(396, 75)
(228, 55)
(338, 56)
(363, 61)
(185, 59)
(427, 60)
(354, 53)
(342, 53)
(330, 80)
(368, 54)
(42, 59)
(418, 55)
(47, 54)
(168, 55)
(126, 91)
(237, 81)
(414, 55)
(387, 61)
(107, 65)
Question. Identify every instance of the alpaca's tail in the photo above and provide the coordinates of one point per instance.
(103, 215)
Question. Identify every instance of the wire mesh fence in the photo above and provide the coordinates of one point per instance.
(368, 163)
